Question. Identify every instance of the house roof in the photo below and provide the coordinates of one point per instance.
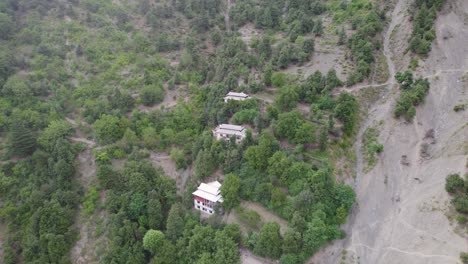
(240, 95)
(230, 130)
(209, 191)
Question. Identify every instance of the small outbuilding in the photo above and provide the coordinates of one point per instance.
(236, 96)
(207, 197)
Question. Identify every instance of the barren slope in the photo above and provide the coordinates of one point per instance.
(400, 216)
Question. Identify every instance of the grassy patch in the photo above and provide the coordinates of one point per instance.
(370, 146)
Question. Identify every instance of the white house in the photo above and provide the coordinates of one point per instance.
(236, 96)
(207, 197)
(226, 131)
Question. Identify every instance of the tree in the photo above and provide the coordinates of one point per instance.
(22, 141)
(267, 75)
(278, 166)
(175, 222)
(323, 140)
(226, 249)
(453, 183)
(269, 241)
(155, 216)
(6, 26)
(405, 79)
(230, 191)
(287, 124)
(153, 240)
(292, 242)
(347, 111)
(56, 129)
(109, 128)
(305, 134)
(152, 94)
(287, 98)
(308, 46)
(315, 235)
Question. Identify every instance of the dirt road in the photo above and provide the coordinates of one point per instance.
(400, 212)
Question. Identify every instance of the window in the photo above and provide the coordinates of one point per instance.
(198, 202)
(204, 209)
(211, 212)
(198, 206)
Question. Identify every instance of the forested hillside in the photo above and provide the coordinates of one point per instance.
(129, 82)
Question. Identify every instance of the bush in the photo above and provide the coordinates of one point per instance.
(459, 107)
(249, 217)
(454, 183)
(152, 94)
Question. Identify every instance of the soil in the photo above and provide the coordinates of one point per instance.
(398, 219)
(164, 161)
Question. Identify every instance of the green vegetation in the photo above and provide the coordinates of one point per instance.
(91, 65)
(412, 94)
(425, 13)
(371, 147)
(457, 187)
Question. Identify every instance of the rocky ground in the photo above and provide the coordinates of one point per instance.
(401, 206)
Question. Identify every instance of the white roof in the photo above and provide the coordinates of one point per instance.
(231, 127)
(234, 94)
(209, 191)
(230, 130)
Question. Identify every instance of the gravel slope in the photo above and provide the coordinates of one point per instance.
(400, 215)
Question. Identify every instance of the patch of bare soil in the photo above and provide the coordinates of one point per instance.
(401, 203)
(164, 161)
(91, 241)
(249, 32)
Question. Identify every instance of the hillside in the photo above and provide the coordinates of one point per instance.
(355, 118)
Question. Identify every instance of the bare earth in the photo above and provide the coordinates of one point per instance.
(400, 212)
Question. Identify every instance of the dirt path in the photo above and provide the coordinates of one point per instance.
(399, 219)
(227, 18)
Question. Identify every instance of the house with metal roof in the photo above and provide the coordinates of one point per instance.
(207, 197)
(226, 131)
(236, 96)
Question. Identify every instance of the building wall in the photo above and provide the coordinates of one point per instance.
(205, 207)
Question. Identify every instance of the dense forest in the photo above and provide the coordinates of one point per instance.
(128, 79)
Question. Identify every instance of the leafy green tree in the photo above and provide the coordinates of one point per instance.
(308, 46)
(230, 191)
(226, 249)
(278, 166)
(305, 134)
(287, 98)
(153, 240)
(287, 124)
(454, 183)
(269, 241)
(267, 74)
(152, 94)
(6, 26)
(292, 242)
(405, 79)
(56, 129)
(347, 111)
(257, 156)
(110, 128)
(315, 235)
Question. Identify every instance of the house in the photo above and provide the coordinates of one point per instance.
(236, 96)
(226, 131)
(207, 197)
